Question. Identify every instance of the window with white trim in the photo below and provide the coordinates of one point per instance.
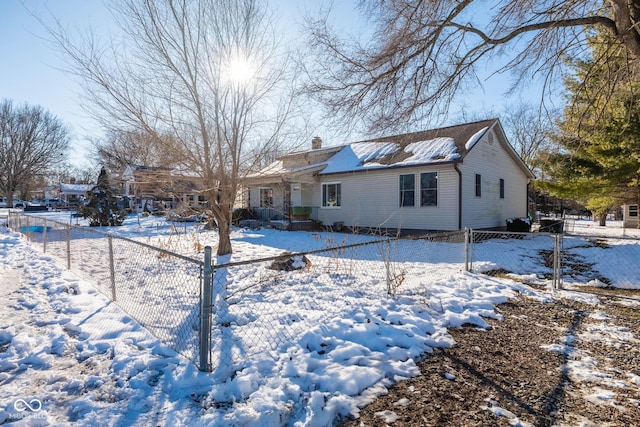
(633, 211)
(407, 190)
(478, 185)
(429, 189)
(501, 188)
(331, 195)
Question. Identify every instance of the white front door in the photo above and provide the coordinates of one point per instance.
(296, 194)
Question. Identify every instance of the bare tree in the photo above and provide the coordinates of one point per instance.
(67, 173)
(424, 52)
(205, 72)
(529, 130)
(31, 141)
(121, 148)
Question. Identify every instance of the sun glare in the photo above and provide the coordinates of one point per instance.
(240, 70)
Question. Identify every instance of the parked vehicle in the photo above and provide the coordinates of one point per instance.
(51, 203)
(17, 203)
(20, 204)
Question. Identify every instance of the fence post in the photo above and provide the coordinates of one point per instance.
(554, 278)
(466, 249)
(112, 268)
(68, 233)
(387, 264)
(205, 312)
(471, 244)
(557, 266)
(44, 237)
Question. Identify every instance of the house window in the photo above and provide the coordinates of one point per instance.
(332, 195)
(407, 190)
(478, 185)
(633, 211)
(266, 197)
(429, 189)
(501, 188)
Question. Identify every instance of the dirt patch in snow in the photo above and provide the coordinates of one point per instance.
(560, 363)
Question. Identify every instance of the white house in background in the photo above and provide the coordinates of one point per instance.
(449, 178)
(72, 194)
(630, 215)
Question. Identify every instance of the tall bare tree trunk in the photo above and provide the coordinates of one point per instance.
(224, 237)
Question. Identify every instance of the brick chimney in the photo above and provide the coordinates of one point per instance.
(316, 143)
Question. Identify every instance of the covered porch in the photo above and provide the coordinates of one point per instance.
(289, 203)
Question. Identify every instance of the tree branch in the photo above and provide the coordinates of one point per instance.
(605, 22)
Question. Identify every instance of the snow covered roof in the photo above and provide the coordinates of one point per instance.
(75, 188)
(369, 155)
(433, 146)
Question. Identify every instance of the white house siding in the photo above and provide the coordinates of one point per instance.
(630, 215)
(490, 159)
(311, 194)
(371, 199)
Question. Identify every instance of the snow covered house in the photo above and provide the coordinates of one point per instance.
(441, 179)
(72, 194)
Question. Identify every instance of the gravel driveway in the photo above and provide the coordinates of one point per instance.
(556, 363)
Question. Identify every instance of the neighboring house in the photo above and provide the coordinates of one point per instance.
(72, 194)
(630, 216)
(49, 192)
(151, 188)
(442, 179)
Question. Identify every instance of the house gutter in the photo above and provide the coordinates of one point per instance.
(455, 166)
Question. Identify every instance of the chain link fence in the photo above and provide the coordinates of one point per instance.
(563, 259)
(248, 307)
(601, 262)
(259, 305)
(158, 288)
(529, 255)
(219, 315)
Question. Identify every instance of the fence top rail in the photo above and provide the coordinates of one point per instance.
(108, 234)
(316, 251)
(603, 236)
(428, 236)
(520, 233)
(336, 248)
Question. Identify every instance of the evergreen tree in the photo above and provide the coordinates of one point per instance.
(598, 160)
(103, 208)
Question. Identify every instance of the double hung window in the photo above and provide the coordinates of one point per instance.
(332, 195)
(407, 190)
(429, 189)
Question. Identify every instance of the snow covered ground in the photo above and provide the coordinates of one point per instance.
(70, 356)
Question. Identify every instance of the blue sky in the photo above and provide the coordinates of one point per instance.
(32, 70)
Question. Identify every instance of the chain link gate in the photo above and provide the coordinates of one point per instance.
(500, 252)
